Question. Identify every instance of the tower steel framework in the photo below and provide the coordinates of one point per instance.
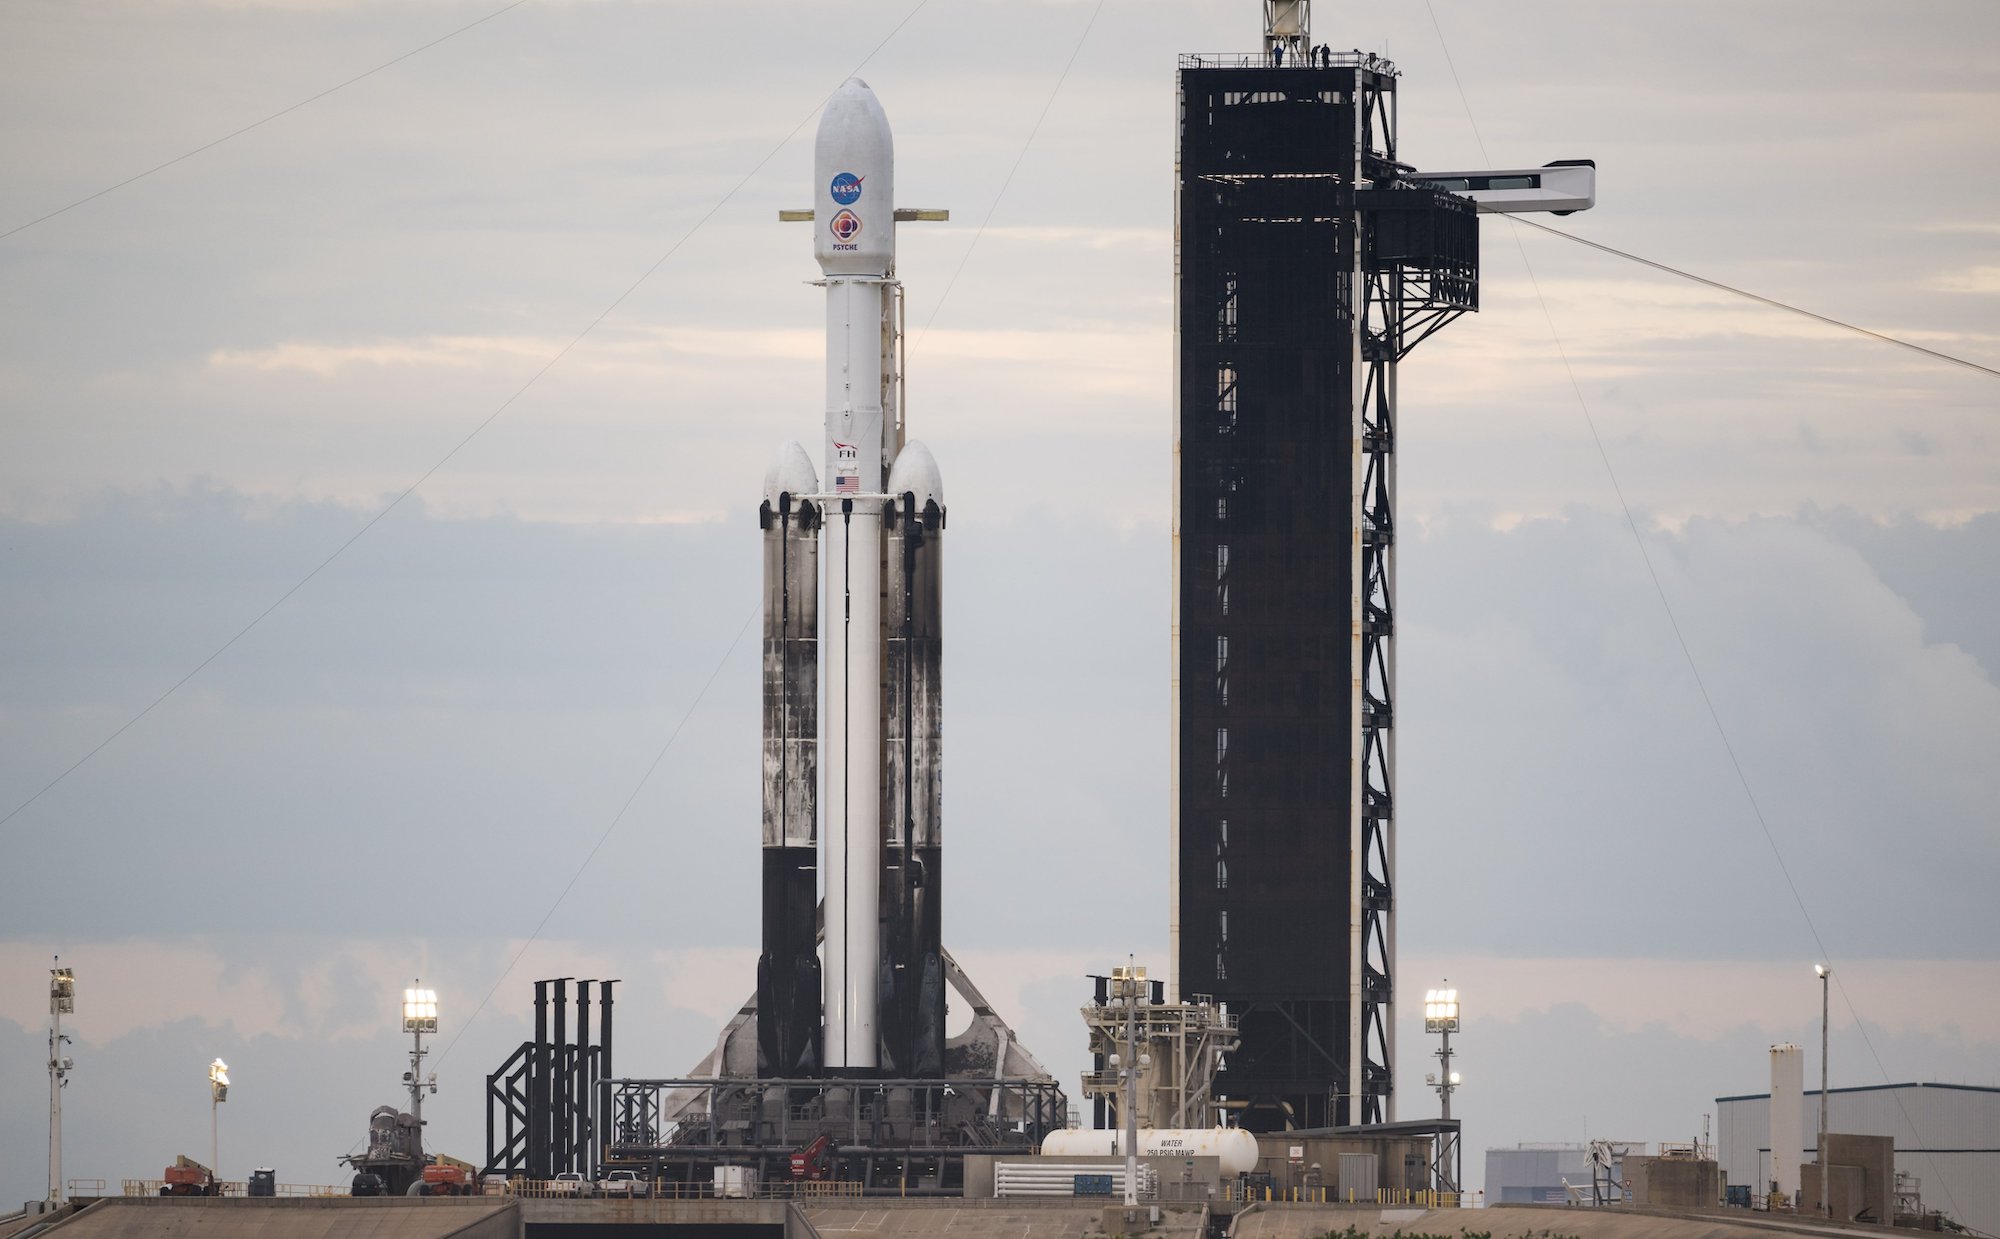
(1308, 263)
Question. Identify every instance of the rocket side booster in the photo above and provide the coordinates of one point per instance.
(913, 982)
(788, 973)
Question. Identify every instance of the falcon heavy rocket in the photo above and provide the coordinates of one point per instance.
(852, 650)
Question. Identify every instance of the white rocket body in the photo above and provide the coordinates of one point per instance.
(854, 239)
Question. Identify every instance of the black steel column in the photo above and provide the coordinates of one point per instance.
(539, 1070)
(606, 1132)
(585, 1083)
(559, 1086)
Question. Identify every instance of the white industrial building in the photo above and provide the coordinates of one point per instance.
(1536, 1174)
(1947, 1137)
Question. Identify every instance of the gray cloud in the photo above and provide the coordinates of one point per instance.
(1550, 730)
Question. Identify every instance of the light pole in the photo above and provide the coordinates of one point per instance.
(1131, 982)
(420, 1016)
(62, 1001)
(1825, 975)
(218, 1092)
(1441, 1017)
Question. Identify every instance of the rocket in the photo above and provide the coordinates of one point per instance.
(852, 722)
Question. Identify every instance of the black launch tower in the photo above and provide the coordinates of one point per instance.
(1309, 262)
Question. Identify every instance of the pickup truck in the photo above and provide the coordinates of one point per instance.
(568, 1183)
(625, 1183)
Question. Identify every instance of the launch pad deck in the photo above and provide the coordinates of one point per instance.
(889, 1136)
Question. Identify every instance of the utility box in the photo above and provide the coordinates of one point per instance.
(735, 1182)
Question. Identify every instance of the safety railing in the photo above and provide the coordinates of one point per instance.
(1303, 60)
(227, 1188)
(309, 1190)
(159, 1187)
(86, 1188)
(824, 1189)
(1416, 1197)
(668, 1189)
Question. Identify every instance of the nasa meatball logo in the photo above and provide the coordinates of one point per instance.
(846, 189)
(846, 226)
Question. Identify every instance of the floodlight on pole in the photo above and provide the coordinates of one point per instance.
(420, 1016)
(218, 1092)
(1441, 1017)
(1441, 1011)
(420, 1010)
(1825, 975)
(62, 1001)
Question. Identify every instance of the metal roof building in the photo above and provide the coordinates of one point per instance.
(1534, 1174)
(1947, 1136)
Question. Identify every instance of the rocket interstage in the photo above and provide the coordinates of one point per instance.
(852, 676)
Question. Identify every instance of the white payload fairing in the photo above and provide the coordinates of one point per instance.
(852, 607)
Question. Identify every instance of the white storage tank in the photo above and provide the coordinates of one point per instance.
(1234, 1149)
(1788, 1077)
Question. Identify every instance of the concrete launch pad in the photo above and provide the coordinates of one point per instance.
(1289, 1221)
(515, 1218)
(154, 1217)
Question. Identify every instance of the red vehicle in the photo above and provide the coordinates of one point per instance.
(188, 1177)
(449, 1179)
(814, 1162)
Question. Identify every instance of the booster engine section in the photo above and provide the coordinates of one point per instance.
(788, 973)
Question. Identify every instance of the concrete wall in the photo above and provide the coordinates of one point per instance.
(598, 1211)
(1674, 1182)
(309, 1218)
(1860, 1179)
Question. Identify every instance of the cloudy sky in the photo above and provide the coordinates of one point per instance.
(213, 378)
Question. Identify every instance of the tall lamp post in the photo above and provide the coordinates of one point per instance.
(1130, 983)
(420, 1016)
(1441, 1017)
(62, 1001)
(1825, 975)
(218, 1092)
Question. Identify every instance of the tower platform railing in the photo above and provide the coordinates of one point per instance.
(1262, 60)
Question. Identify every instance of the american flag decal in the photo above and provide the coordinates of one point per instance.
(847, 482)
